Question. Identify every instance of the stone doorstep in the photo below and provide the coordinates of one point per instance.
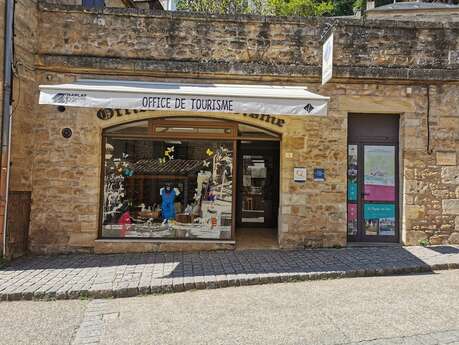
(240, 280)
(122, 246)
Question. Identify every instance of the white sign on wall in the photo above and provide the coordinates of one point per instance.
(299, 174)
(327, 60)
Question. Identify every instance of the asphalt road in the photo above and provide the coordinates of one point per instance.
(40, 323)
(413, 309)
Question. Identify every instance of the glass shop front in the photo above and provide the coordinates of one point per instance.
(174, 178)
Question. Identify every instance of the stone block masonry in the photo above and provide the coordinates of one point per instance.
(244, 45)
(380, 67)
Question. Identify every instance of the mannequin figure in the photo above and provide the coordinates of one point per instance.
(168, 195)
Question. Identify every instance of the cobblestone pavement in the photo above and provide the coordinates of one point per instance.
(124, 275)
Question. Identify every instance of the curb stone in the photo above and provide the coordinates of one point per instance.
(170, 288)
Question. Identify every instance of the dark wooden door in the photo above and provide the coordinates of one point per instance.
(18, 223)
(258, 184)
(373, 179)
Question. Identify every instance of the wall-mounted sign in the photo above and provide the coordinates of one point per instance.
(319, 174)
(299, 174)
(109, 113)
(327, 60)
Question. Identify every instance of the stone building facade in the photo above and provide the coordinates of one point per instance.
(380, 67)
(414, 11)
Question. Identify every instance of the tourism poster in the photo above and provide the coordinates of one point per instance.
(379, 179)
(379, 219)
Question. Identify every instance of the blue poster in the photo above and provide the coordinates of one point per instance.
(375, 211)
(319, 174)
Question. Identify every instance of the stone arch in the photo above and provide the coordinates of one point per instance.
(271, 123)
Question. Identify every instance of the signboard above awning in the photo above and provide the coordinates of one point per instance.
(217, 98)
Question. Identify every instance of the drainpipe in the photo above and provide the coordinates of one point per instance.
(6, 116)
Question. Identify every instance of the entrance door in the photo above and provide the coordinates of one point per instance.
(258, 184)
(373, 178)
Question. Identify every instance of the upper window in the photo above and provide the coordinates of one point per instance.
(191, 128)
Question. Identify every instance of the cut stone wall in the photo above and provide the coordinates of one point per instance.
(180, 47)
(313, 214)
(432, 180)
(244, 45)
(25, 93)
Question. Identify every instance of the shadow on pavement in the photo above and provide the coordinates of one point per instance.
(187, 264)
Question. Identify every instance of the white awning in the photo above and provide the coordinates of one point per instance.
(222, 98)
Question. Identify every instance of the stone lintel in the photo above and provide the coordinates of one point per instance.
(143, 67)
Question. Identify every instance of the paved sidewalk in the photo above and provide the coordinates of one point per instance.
(124, 275)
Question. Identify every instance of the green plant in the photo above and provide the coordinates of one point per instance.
(424, 242)
(263, 7)
(358, 5)
(301, 7)
(224, 6)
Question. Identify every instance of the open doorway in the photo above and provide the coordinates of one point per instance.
(257, 194)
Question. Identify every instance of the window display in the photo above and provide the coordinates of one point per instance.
(176, 189)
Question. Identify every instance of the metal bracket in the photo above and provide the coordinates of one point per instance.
(329, 28)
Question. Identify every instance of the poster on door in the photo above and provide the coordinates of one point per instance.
(352, 173)
(379, 219)
(379, 179)
(352, 219)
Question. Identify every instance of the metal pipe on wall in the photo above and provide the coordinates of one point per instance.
(6, 117)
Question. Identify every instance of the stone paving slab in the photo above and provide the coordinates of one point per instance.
(126, 275)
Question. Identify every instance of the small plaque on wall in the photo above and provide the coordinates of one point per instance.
(299, 174)
(319, 174)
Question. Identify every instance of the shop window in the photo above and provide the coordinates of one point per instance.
(172, 178)
(171, 188)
